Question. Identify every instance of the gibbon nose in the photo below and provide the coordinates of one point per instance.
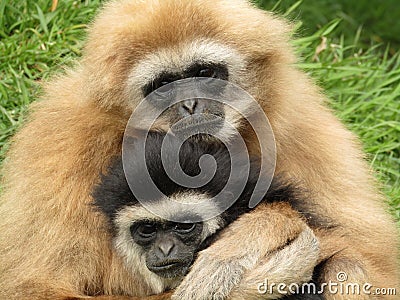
(190, 107)
(166, 247)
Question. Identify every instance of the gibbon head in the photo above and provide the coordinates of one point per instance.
(136, 47)
(158, 250)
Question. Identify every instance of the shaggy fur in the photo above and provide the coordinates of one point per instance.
(54, 246)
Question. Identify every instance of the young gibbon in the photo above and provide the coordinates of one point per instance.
(161, 251)
(53, 244)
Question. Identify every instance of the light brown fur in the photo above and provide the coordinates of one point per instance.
(54, 246)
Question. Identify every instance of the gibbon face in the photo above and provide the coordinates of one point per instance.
(169, 246)
(193, 114)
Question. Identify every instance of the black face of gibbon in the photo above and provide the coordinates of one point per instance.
(171, 247)
(197, 114)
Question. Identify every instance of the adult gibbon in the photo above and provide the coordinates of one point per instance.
(54, 246)
(161, 251)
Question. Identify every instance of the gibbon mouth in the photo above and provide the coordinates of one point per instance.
(198, 124)
(166, 266)
(169, 270)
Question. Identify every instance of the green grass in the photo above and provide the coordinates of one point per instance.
(361, 78)
(364, 89)
(378, 19)
(34, 43)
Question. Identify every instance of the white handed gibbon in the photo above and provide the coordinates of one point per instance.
(53, 244)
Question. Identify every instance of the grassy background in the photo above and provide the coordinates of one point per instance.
(356, 60)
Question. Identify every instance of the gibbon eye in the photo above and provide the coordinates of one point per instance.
(184, 227)
(146, 230)
(165, 90)
(206, 72)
